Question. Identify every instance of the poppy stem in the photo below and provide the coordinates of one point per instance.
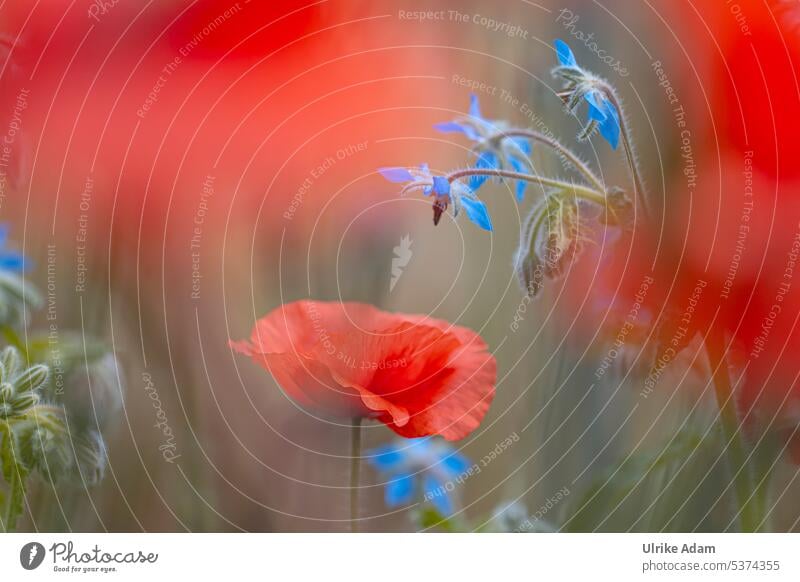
(355, 466)
(731, 429)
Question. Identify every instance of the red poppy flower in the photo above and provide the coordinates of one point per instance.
(724, 261)
(419, 376)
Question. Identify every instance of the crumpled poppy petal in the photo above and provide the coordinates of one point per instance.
(418, 375)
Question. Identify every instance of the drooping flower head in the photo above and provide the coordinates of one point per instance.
(444, 193)
(420, 376)
(581, 85)
(493, 148)
(422, 468)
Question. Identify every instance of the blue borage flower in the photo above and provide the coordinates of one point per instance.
(10, 260)
(582, 85)
(493, 149)
(444, 192)
(424, 467)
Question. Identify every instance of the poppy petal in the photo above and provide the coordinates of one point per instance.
(455, 401)
(418, 375)
(312, 385)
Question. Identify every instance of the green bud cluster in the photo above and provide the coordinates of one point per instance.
(19, 385)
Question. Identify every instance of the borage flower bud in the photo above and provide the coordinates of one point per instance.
(527, 264)
(44, 447)
(562, 241)
(22, 403)
(18, 390)
(558, 255)
(6, 391)
(31, 379)
(10, 362)
(94, 393)
(530, 272)
(618, 211)
(90, 456)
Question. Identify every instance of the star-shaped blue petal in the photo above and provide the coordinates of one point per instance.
(519, 166)
(565, 55)
(454, 127)
(400, 490)
(396, 175)
(386, 458)
(456, 464)
(12, 261)
(477, 213)
(487, 160)
(605, 114)
(474, 106)
(436, 492)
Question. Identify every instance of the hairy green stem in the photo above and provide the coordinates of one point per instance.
(13, 338)
(583, 191)
(743, 486)
(627, 144)
(14, 478)
(556, 146)
(12, 512)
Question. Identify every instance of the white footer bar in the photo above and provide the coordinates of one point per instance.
(400, 557)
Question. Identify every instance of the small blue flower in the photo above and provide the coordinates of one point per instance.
(424, 467)
(582, 84)
(10, 260)
(492, 148)
(444, 192)
(475, 127)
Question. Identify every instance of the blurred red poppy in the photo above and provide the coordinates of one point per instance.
(725, 258)
(419, 376)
